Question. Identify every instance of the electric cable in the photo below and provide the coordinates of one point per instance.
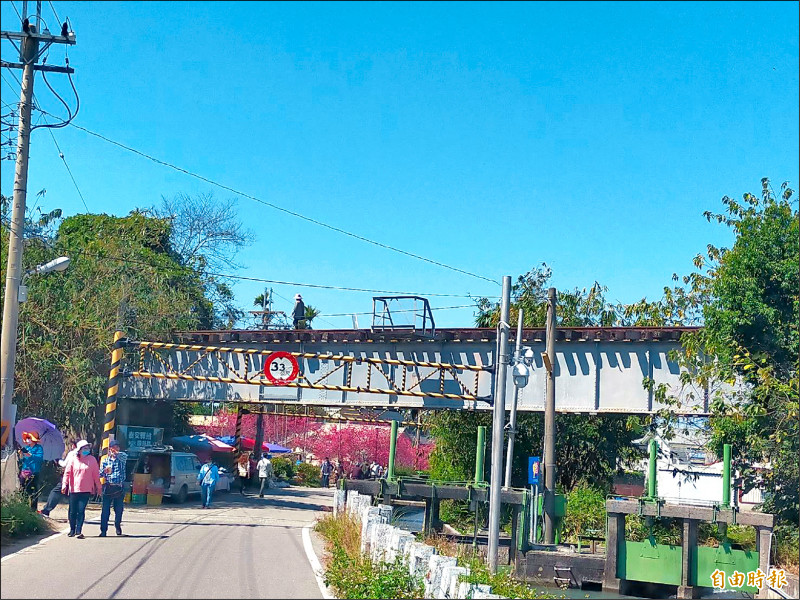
(274, 281)
(71, 176)
(282, 209)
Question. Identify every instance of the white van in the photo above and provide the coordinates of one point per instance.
(175, 471)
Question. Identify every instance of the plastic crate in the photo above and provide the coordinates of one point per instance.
(138, 498)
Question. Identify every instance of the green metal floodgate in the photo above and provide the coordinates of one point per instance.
(661, 563)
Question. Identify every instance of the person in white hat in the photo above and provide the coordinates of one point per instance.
(82, 479)
(299, 312)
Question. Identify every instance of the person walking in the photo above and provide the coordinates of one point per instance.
(243, 470)
(208, 476)
(32, 460)
(325, 472)
(55, 496)
(338, 472)
(112, 468)
(82, 480)
(264, 467)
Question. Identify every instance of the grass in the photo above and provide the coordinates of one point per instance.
(17, 519)
(353, 575)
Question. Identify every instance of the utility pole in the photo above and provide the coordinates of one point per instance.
(550, 422)
(29, 46)
(498, 419)
(512, 422)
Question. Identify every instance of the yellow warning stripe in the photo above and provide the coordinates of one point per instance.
(316, 355)
(335, 388)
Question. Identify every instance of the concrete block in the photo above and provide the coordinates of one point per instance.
(433, 578)
(379, 541)
(397, 545)
(386, 511)
(419, 555)
(339, 498)
(369, 518)
(468, 590)
(450, 581)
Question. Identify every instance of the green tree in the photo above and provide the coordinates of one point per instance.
(124, 273)
(587, 452)
(750, 297)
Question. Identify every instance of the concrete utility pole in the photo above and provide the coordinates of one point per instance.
(550, 422)
(498, 419)
(28, 40)
(512, 422)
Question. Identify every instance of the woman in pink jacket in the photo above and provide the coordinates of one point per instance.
(82, 480)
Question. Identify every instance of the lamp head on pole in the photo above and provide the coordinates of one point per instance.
(57, 264)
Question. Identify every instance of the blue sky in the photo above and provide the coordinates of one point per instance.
(491, 137)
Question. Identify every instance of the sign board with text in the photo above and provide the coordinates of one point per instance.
(133, 438)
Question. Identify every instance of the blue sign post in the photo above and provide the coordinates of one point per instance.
(534, 471)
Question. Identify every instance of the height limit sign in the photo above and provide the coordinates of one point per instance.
(281, 368)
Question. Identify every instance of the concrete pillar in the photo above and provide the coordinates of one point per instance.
(763, 543)
(687, 591)
(616, 536)
(512, 549)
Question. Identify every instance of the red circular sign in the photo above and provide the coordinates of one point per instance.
(281, 368)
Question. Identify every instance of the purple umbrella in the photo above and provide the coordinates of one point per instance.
(50, 437)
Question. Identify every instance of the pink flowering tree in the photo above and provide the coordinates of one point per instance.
(350, 443)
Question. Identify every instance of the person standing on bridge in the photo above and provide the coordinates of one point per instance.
(112, 467)
(82, 479)
(299, 312)
(208, 477)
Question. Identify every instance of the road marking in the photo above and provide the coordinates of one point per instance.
(319, 572)
(32, 546)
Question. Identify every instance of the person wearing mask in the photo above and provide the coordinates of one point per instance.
(32, 459)
(325, 472)
(299, 312)
(112, 468)
(55, 496)
(208, 476)
(264, 467)
(82, 480)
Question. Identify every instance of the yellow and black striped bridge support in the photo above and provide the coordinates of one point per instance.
(113, 388)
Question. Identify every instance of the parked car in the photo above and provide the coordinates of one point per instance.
(175, 471)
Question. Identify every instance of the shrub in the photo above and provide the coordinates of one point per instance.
(786, 547)
(308, 475)
(586, 509)
(16, 517)
(503, 583)
(283, 468)
(353, 575)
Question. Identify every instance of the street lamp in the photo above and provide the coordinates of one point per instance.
(8, 352)
(57, 264)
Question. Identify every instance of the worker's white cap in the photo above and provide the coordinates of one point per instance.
(298, 297)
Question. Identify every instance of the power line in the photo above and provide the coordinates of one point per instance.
(282, 209)
(53, 8)
(61, 155)
(399, 311)
(275, 281)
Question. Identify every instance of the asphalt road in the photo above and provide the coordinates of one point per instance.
(240, 548)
